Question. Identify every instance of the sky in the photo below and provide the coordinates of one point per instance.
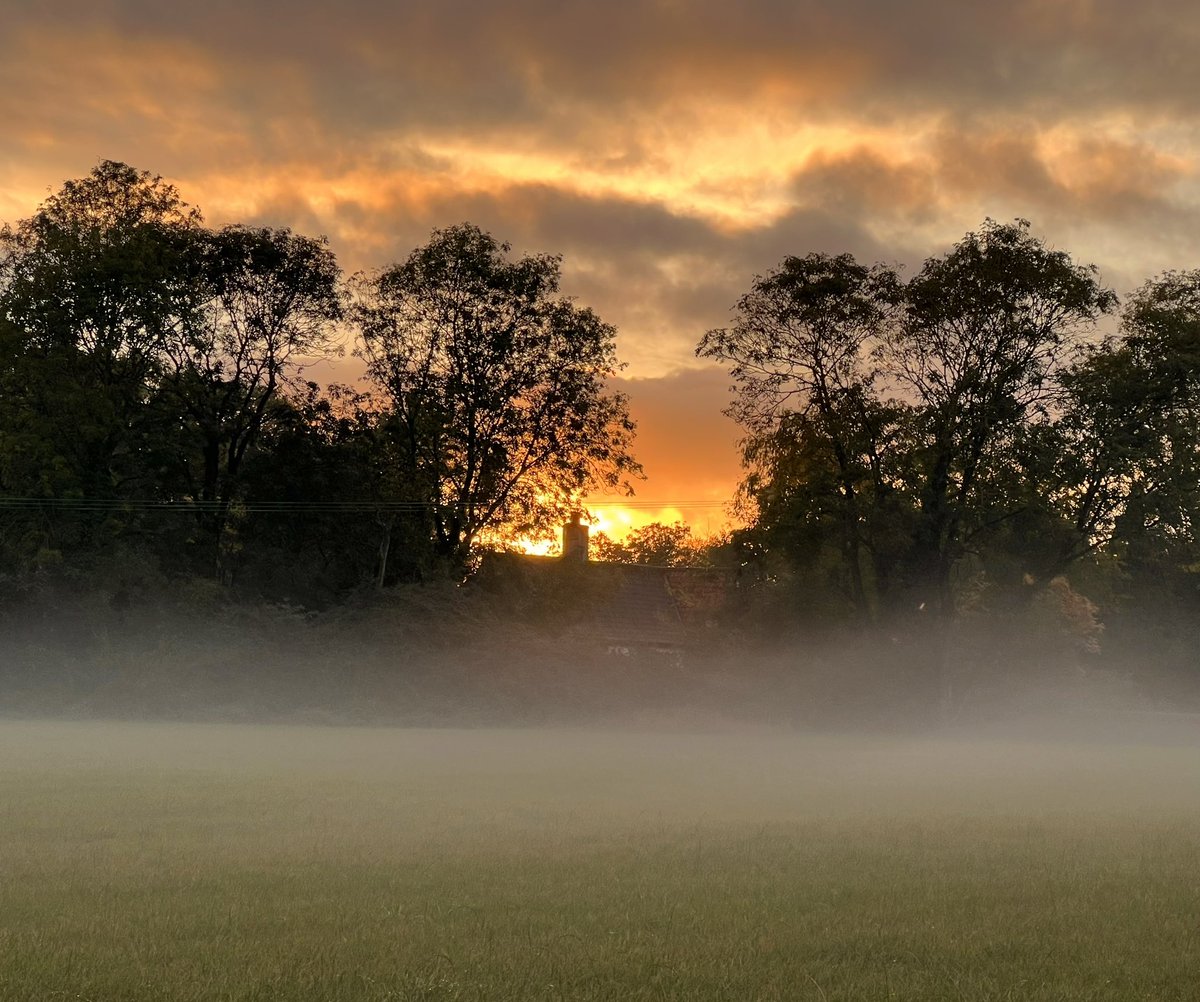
(668, 150)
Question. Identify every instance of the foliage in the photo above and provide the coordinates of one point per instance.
(92, 289)
(801, 355)
(271, 299)
(1134, 418)
(655, 544)
(986, 332)
(497, 386)
(959, 453)
(142, 354)
(151, 377)
(885, 420)
(906, 441)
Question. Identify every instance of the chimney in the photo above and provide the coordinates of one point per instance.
(575, 540)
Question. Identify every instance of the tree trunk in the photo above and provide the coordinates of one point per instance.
(384, 546)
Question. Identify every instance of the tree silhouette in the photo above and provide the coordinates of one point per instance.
(498, 384)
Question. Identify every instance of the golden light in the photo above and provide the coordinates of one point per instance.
(734, 171)
(617, 519)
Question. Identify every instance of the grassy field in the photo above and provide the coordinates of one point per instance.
(187, 862)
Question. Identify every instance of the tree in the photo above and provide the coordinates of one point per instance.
(98, 281)
(1106, 431)
(92, 287)
(498, 388)
(271, 298)
(1161, 345)
(311, 532)
(141, 353)
(1134, 423)
(987, 329)
(841, 529)
(800, 352)
(655, 544)
(907, 422)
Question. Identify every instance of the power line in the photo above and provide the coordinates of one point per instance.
(349, 506)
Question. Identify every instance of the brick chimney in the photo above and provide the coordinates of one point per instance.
(575, 540)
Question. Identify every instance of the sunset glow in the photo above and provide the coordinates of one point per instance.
(617, 521)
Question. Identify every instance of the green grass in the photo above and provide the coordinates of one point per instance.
(210, 862)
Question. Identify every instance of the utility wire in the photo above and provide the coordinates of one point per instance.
(192, 506)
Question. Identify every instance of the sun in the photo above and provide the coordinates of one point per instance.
(617, 519)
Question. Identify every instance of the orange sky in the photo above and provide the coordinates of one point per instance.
(669, 150)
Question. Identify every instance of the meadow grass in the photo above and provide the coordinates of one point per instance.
(189, 862)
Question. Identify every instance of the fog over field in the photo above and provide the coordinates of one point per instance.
(459, 791)
(488, 654)
(630, 774)
(215, 861)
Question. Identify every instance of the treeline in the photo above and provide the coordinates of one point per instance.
(994, 463)
(991, 467)
(156, 424)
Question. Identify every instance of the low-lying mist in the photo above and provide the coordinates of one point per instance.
(668, 835)
(492, 775)
(446, 656)
(199, 861)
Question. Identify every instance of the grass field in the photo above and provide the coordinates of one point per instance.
(187, 862)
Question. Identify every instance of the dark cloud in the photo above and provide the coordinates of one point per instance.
(1089, 193)
(662, 278)
(1094, 178)
(364, 65)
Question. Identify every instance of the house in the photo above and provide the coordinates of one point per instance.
(636, 609)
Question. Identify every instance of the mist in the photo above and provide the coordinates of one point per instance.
(547, 647)
(462, 791)
(218, 860)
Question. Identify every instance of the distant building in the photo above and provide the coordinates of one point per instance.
(575, 540)
(659, 610)
(629, 609)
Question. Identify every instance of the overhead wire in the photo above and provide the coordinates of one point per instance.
(303, 504)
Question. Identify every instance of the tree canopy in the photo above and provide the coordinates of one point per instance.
(149, 360)
(498, 387)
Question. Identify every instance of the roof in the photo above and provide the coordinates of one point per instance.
(636, 605)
